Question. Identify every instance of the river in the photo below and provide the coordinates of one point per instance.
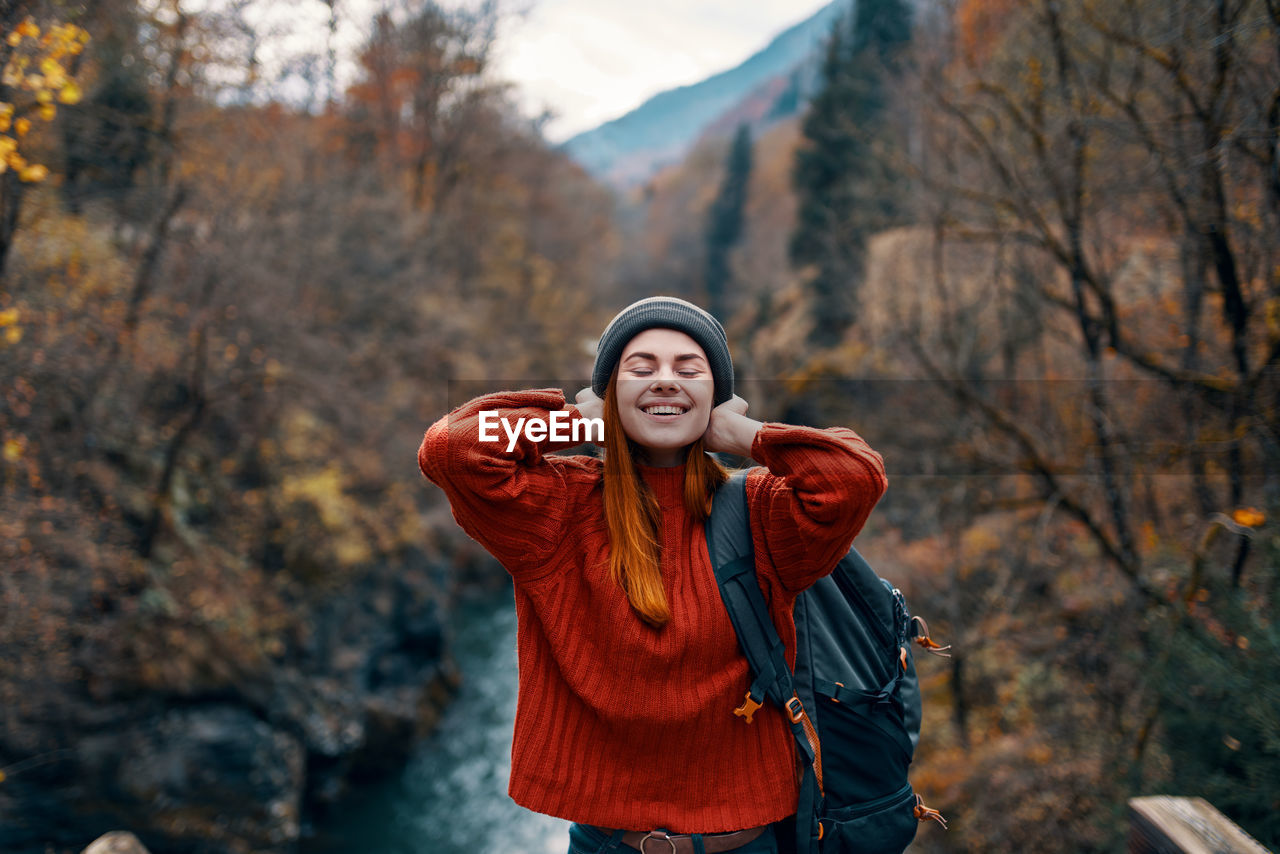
(452, 796)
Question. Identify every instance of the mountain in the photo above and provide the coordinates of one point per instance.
(768, 85)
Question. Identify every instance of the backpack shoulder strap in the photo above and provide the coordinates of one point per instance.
(733, 558)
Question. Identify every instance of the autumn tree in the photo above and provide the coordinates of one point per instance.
(213, 384)
(1097, 265)
(421, 82)
(37, 73)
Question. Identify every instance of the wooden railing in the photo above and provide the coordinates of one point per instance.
(1161, 824)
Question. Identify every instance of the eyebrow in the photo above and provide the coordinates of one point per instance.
(683, 357)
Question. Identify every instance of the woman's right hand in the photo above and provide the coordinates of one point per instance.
(729, 430)
(589, 404)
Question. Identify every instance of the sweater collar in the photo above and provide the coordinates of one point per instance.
(667, 483)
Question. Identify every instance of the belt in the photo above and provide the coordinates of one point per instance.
(661, 842)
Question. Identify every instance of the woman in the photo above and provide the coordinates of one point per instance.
(629, 666)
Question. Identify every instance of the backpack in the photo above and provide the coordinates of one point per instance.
(853, 701)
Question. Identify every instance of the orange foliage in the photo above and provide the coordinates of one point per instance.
(980, 24)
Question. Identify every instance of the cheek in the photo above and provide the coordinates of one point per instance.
(629, 419)
(701, 425)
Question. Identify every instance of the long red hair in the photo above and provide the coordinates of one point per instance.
(631, 512)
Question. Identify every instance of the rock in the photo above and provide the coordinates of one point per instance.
(206, 775)
(116, 842)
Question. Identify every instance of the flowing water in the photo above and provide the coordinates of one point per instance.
(452, 796)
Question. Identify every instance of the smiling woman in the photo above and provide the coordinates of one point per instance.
(663, 392)
(626, 651)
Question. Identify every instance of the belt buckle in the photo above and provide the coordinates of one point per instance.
(657, 834)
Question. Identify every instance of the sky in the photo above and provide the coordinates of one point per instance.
(589, 61)
(584, 61)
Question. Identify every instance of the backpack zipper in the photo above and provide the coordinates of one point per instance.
(877, 805)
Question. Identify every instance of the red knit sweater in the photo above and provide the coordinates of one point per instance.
(619, 724)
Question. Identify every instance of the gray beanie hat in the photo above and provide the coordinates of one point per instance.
(665, 313)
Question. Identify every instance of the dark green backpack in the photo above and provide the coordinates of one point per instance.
(853, 700)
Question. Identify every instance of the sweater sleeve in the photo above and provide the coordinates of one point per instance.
(504, 492)
(811, 499)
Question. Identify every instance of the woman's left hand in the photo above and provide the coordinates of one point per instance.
(729, 430)
(589, 405)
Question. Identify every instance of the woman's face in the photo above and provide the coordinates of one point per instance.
(665, 393)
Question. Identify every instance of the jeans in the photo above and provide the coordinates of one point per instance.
(589, 839)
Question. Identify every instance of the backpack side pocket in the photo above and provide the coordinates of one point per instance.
(883, 826)
(868, 749)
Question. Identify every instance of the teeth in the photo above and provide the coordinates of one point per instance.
(664, 410)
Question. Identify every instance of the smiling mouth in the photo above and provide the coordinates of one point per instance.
(664, 409)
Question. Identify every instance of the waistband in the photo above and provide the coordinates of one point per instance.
(662, 842)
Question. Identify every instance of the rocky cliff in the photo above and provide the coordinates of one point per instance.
(238, 769)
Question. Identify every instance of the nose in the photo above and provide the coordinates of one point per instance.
(664, 378)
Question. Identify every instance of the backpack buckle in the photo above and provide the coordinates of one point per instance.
(795, 709)
(748, 708)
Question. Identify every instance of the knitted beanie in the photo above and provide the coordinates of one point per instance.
(665, 313)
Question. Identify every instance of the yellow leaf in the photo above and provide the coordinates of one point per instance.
(1250, 517)
(44, 96)
(1272, 315)
(48, 111)
(12, 450)
(70, 93)
(33, 173)
(13, 334)
(22, 126)
(29, 29)
(6, 109)
(14, 38)
(8, 317)
(16, 160)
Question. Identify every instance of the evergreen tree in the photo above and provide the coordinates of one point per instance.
(845, 187)
(110, 137)
(724, 221)
(1219, 701)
